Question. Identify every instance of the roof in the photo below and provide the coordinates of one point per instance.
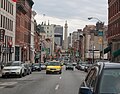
(107, 64)
(112, 65)
(53, 61)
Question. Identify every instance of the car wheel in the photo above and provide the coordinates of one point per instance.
(60, 72)
(47, 72)
(3, 76)
(20, 75)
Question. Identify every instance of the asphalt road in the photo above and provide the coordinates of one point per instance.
(40, 83)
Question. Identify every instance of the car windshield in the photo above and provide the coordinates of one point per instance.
(53, 64)
(69, 64)
(36, 64)
(110, 83)
(13, 64)
(42, 64)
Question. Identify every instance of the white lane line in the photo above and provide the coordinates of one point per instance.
(9, 83)
(2, 87)
(60, 77)
(57, 86)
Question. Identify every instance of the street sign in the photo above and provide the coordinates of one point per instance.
(2, 34)
(100, 33)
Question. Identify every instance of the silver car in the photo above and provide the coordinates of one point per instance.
(13, 68)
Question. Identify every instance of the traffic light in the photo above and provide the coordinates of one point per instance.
(100, 40)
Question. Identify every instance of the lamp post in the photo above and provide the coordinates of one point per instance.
(24, 53)
(99, 33)
(10, 43)
(80, 46)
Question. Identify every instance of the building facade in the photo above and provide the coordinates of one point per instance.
(58, 35)
(32, 42)
(93, 44)
(8, 23)
(23, 29)
(114, 28)
(49, 30)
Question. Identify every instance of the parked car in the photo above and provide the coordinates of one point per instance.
(69, 66)
(43, 66)
(28, 69)
(74, 63)
(36, 67)
(87, 67)
(103, 78)
(13, 68)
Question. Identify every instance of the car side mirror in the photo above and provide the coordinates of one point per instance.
(85, 90)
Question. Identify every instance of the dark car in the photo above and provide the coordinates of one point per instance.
(28, 69)
(69, 66)
(103, 78)
(87, 67)
(43, 66)
(36, 67)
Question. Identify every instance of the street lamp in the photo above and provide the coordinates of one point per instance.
(80, 45)
(94, 18)
(100, 22)
(10, 43)
(24, 52)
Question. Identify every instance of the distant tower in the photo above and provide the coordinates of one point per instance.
(65, 37)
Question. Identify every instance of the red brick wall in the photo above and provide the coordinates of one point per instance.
(113, 19)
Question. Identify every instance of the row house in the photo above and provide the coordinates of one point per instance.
(94, 43)
(8, 24)
(114, 29)
(23, 29)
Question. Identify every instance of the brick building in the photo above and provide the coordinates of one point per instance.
(23, 29)
(114, 28)
(7, 22)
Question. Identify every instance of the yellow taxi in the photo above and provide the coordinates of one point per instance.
(53, 67)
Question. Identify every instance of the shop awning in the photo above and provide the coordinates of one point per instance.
(106, 50)
(116, 53)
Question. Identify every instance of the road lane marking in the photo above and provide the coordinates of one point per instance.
(8, 83)
(60, 77)
(57, 86)
(2, 87)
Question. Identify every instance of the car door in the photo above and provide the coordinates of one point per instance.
(91, 79)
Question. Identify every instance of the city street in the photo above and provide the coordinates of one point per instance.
(40, 83)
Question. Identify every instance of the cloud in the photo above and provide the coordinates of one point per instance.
(75, 12)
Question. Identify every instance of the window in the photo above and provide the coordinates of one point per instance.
(6, 23)
(8, 6)
(12, 10)
(1, 25)
(12, 26)
(3, 21)
(89, 77)
(4, 4)
(1, 3)
(47, 31)
(110, 82)
(47, 27)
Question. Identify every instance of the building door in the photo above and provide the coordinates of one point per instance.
(17, 53)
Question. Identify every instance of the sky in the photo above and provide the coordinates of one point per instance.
(75, 12)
